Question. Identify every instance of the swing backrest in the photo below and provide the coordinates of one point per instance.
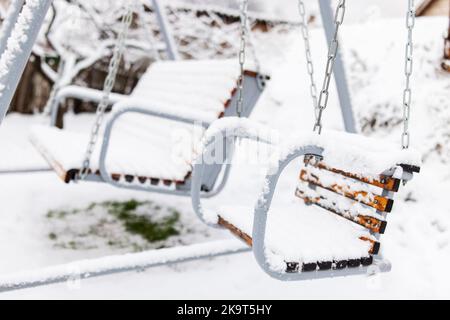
(364, 200)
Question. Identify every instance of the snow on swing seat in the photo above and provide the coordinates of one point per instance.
(299, 235)
(200, 87)
(130, 153)
(151, 147)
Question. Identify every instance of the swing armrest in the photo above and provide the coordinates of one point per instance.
(226, 132)
(81, 93)
(144, 106)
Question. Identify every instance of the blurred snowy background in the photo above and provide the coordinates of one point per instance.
(40, 216)
(358, 11)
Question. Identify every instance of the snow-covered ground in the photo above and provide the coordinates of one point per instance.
(418, 237)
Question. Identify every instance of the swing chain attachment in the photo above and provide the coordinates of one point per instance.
(110, 80)
(407, 93)
(309, 61)
(332, 54)
(242, 56)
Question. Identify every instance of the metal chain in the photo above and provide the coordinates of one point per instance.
(308, 55)
(407, 93)
(107, 89)
(242, 57)
(332, 53)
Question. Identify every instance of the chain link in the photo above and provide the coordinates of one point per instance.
(309, 62)
(107, 89)
(332, 53)
(407, 93)
(242, 57)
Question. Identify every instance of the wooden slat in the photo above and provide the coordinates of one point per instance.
(423, 6)
(252, 74)
(57, 167)
(375, 249)
(380, 203)
(373, 224)
(384, 182)
(236, 231)
(432, 8)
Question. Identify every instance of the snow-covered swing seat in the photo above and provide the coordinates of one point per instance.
(353, 177)
(150, 138)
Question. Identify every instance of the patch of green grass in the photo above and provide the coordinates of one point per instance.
(144, 226)
(149, 227)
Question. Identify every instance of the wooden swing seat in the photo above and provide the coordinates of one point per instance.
(142, 147)
(360, 204)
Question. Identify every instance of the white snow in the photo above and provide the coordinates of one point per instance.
(418, 235)
(203, 86)
(19, 153)
(356, 153)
